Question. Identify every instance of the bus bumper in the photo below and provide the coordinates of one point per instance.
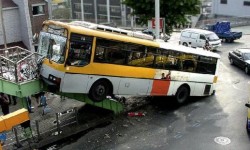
(52, 87)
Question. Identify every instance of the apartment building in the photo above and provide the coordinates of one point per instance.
(22, 19)
(236, 8)
(96, 11)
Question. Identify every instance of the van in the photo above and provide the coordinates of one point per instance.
(197, 38)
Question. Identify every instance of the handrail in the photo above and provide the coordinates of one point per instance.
(18, 64)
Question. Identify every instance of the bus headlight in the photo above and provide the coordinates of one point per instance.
(54, 79)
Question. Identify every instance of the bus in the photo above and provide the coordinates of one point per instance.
(100, 61)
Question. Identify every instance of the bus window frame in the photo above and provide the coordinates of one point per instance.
(88, 53)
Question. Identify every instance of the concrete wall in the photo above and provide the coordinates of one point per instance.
(12, 26)
(232, 8)
(25, 25)
(37, 20)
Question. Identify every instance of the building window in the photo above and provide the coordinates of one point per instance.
(78, 15)
(115, 9)
(102, 8)
(88, 16)
(223, 1)
(246, 3)
(77, 6)
(38, 9)
(88, 7)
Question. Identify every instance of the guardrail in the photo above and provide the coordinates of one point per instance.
(18, 64)
(35, 134)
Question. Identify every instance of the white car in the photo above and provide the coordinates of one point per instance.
(197, 38)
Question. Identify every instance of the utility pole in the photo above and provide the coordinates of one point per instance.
(3, 28)
(95, 9)
(82, 10)
(108, 11)
(50, 9)
(157, 18)
(132, 19)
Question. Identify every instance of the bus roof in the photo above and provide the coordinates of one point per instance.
(75, 27)
(190, 50)
(107, 32)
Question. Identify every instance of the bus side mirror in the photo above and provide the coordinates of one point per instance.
(247, 105)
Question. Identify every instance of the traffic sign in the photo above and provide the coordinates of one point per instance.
(161, 23)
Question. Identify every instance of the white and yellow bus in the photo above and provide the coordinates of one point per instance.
(101, 61)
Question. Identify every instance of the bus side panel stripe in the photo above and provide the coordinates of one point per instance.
(160, 87)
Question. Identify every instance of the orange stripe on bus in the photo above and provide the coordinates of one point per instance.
(160, 87)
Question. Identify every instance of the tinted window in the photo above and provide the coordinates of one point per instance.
(109, 52)
(246, 3)
(80, 50)
(246, 56)
(115, 52)
(202, 37)
(223, 1)
(206, 65)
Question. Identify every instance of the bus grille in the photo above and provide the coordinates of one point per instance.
(207, 89)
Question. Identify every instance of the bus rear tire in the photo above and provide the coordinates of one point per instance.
(182, 94)
(99, 91)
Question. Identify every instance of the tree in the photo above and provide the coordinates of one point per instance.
(174, 11)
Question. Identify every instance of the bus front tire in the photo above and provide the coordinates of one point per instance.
(99, 91)
(182, 95)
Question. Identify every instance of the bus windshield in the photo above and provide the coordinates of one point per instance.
(52, 46)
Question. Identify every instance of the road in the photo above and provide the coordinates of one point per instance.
(216, 122)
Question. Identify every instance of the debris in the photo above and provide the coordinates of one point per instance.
(133, 114)
(125, 125)
(107, 136)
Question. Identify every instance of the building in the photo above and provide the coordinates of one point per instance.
(22, 19)
(96, 11)
(236, 8)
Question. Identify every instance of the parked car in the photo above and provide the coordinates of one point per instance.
(248, 117)
(164, 37)
(198, 37)
(241, 58)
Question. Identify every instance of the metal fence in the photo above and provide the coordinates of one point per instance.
(234, 21)
(18, 64)
(40, 130)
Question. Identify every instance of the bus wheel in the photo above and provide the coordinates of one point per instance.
(99, 91)
(182, 95)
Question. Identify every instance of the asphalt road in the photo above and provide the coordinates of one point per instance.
(206, 123)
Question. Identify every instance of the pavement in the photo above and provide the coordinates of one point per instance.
(47, 122)
(73, 117)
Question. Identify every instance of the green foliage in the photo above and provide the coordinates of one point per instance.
(174, 11)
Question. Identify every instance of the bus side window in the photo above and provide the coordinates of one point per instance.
(79, 53)
(188, 65)
(79, 50)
